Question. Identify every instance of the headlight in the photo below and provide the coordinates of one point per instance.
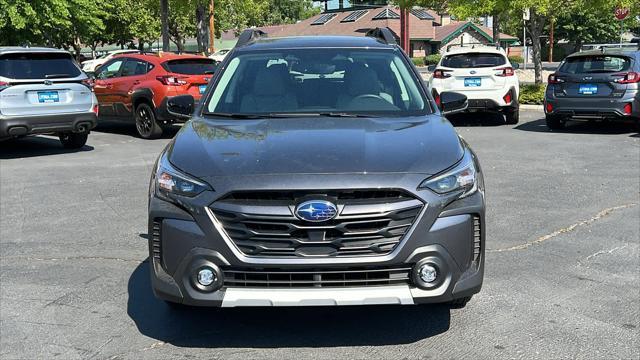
(169, 180)
(461, 178)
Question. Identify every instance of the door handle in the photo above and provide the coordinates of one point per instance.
(137, 82)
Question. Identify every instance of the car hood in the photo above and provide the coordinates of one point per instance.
(315, 145)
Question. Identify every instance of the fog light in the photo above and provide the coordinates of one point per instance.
(428, 273)
(206, 277)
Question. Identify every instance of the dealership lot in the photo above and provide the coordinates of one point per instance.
(562, 268)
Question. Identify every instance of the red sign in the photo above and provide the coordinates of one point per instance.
(621, 13)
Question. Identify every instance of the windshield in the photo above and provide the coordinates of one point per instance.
(473, 60)
(318, 81)
(28, 66)
(595, 64)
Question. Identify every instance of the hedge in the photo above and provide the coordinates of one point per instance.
(418, 61)
(433, 59)
(516, 59)
(532, 94)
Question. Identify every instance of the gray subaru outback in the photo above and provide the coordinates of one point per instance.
(595, 85)
(43, 91)
(316, 171)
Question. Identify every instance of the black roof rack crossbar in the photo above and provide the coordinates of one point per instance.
(383, 34)
(250, 35)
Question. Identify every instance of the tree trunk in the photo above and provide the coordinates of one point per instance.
(535, 27)
(496, 28)
(202, 28)
(164, 18)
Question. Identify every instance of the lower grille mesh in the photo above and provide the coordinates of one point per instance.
(321, 278)
(477, 237)
(156, 243)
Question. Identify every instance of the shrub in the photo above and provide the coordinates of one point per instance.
(532, 94)
(514, 59)
(433, 59)
(418, 61)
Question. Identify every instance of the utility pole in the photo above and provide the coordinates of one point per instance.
(212, 29)
(164, 18)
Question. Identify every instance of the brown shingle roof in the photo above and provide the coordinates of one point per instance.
(443, 31)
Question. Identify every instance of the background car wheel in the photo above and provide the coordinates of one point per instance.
(555, 122)
(512, 117)
(71, 140)
(146, 123)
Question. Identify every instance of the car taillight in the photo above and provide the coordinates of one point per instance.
(4, 85)
(505, 71)
(96, 109)
(171, 80)
(628, 108)
(436, 98)
(507, 98)
(628, 78)
(554, 79)
(549, 108)
(440, 74)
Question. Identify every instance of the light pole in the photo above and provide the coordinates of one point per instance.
(164, 19)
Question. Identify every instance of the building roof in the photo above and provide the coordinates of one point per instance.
(447, 32)
(419, 29)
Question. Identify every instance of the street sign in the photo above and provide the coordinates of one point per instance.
(526, 14)
(621, 13)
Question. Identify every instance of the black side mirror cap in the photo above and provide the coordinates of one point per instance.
(181, 106)
(431, 68)
(453, 102)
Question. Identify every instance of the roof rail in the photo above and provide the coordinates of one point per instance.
(635, 43)
(383, 34)
(250, 35)
(474, 45)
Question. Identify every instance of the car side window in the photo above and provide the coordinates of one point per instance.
(110, 70)
(135, 67)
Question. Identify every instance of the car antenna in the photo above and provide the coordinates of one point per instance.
(250, 35)
(383, 34)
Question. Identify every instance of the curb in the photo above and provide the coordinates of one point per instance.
(531, 107)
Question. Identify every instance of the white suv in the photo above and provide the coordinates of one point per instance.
(91, 66)
(482, 73)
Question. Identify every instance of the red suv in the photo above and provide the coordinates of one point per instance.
(136, 87)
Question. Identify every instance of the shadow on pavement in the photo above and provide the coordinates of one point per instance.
(581, 127)
(129, 129)
(31, 146)
(477, 119)
(279, 327)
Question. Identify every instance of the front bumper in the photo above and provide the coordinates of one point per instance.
(445, 232)
(43, 124)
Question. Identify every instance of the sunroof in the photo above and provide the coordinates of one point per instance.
(422, 14)
(354, 16)
(387, 14)
(324, 19)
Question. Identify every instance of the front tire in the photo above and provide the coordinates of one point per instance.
(512, 117)
(146, 124)
(555, 122)
(71, 140)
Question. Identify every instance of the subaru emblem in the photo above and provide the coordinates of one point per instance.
(48, 82)
(316, 211)
(472, 72)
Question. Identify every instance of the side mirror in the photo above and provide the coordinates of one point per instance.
(515, 66)
(431, 68)
(181, 106)
(453, 102)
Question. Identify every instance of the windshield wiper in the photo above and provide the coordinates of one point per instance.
(244, 116)
(327, 114)
(57, 76)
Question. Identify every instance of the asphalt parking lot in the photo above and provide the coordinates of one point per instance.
(562, 267)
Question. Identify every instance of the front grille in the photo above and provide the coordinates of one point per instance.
(234, 277)
(156, 243)
(369, 223)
